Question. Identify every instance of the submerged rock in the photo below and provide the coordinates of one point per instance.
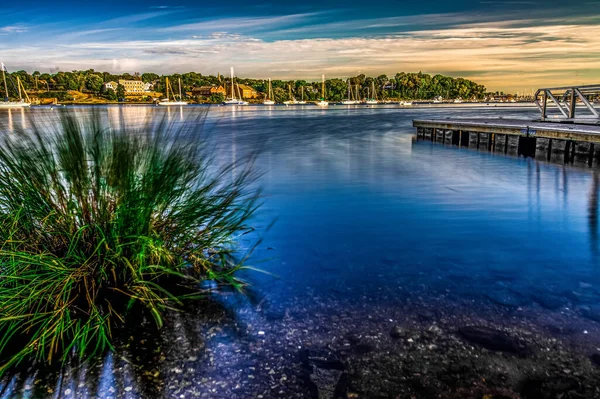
(325, 373)
(397, 332)
(495, 340)
(595, 358)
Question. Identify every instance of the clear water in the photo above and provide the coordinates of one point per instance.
(361, 207)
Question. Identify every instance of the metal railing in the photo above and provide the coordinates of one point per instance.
(573, 103)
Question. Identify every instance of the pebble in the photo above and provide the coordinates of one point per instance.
(68, 392)
(261, 333)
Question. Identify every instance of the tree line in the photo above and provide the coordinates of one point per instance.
(405, 86)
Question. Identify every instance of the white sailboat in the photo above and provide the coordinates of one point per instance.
(233, 100)
(292, 100)
(350, 100)
(269, 99)
(167, 101)
(20, 88)
(373, 99)
(322, 102)
(302, 102)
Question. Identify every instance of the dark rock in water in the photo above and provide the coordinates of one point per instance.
(548, 387)
(495, 340)
(505, 298)
(322, 359)
(592, 313)
(325, 374)
(595, 358)
(397, 332)
(362, 349)
(549, 302)
(426, 315)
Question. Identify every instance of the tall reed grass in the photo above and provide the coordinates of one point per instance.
(97, 222)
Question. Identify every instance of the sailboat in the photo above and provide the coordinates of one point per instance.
(20, 88)
(233, 100)
(302, 102)
(292, 100)
(322, 102)
(168, 101)
(372, 100)
(350, 100)
(269, 100)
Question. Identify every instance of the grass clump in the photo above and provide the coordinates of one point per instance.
(97, 222)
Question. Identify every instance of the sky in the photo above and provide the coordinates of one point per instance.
(509, 45)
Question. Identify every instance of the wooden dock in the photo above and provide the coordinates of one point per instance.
(557, 142)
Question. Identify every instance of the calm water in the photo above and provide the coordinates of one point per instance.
(361, 207)
(365, 214)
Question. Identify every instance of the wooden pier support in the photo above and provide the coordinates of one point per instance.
(554, 142)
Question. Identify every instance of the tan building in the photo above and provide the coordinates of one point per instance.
(133, 86)
(247, 91)
(208, 91)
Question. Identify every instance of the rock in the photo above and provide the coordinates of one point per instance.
(397, 332)
(592, 313)
(325, 374)
(495, 340)
(549, 302)
(595, 358)
(504, 298)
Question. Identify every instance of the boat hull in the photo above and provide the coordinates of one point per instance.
(172, 103)
(14, 104)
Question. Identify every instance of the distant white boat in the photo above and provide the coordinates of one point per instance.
(406, 103)
(168, 101)
(233, 100)
(350, 100)
(14, 104)
(322, 102)
(372, 100)
(458, 101)
(302, 102)
(269, 100)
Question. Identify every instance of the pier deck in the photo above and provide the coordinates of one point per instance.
(558, 142)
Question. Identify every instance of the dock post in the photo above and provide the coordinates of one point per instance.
(559, 151)
(512, 144)
(500, 143)
(582, 153)
(542, 148)
(448, 137)
(473, 140)
(484, 141)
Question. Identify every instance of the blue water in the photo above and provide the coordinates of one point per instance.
(361, 208)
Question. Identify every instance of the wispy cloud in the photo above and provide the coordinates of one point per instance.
(502, 53)
(13, 29)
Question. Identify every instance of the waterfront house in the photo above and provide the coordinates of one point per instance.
(110, 86)
(133, 86)
(247, 91)
(207, 91)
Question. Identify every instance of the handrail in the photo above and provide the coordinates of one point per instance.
(568, 103)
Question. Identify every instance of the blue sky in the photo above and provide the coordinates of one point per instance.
(505, 44)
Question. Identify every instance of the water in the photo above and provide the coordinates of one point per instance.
(360, 205)
(365, 213)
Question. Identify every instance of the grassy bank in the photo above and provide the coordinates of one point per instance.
(98, 222)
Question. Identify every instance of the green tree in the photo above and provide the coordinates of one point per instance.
(93, 83)
(121, 92)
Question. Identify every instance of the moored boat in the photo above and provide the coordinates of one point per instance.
(23, 102)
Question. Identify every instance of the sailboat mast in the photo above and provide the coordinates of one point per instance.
(167, 84)
(180, 90)
(323, 85)
(232, 86)
(19, 88)
(4, 78)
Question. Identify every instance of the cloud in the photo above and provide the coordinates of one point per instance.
(515, 54)
(241, 23)
(13, 29)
